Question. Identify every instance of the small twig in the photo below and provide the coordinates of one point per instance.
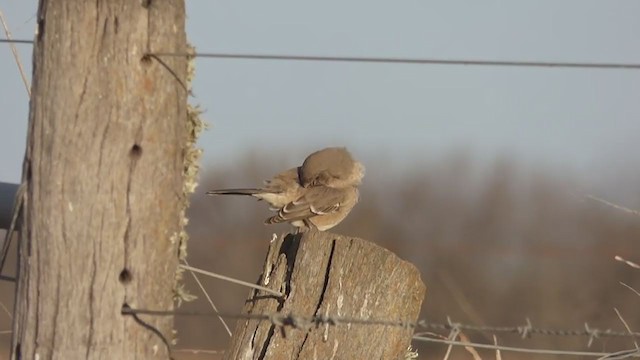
(469, 348)
(232, 280)
(6, 310)
(452, 336)
(615, 206)
(626, 326)
(200, 351)
(630, 263)
(495, 342)
(213, 306)
(619, 355)
(429, 333)
(630, 288)
(16, 56)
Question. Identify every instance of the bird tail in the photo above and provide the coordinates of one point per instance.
(233, 192)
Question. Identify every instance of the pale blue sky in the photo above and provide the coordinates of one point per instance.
(584, 119)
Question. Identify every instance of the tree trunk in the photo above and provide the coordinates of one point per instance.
(103, 171)
(323, 274)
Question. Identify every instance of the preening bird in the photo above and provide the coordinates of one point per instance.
(320, 193)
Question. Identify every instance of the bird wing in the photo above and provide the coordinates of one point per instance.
(318, 200)
(285, 181)
(281, 189)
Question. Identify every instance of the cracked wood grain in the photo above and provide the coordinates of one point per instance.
(331, 275)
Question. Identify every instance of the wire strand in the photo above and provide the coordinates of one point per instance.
(388, 60)
(392, 60)
(305, 321)
(206, 294)
(16, 41)
(232, 280)
(511, 348)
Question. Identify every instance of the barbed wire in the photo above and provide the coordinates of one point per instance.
(525, 331)
(617, 355)
(295, 321)
(600, 355)
(387, 60)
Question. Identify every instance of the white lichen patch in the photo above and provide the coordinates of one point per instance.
(325, 334)
(340, 299)
(174, 337)
(335, 349)
(191, 167)
(365, 311)
(180, 294)
(411, 353)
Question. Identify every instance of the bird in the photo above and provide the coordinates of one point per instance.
(318, 194)
(333, 167)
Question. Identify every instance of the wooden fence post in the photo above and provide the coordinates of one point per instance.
(323, 274)
(103, 172)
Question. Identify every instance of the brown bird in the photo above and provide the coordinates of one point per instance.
(319, 194)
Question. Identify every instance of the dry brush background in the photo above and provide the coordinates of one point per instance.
(496, 242)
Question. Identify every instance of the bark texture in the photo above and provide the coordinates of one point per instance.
(324, 274)
(103, 170)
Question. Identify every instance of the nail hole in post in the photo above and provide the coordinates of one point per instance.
(146, 60)
(136, 151)
(125, 276)
(126, 309)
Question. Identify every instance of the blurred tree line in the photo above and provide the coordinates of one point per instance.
(496, 243)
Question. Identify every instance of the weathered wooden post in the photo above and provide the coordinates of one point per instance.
(103, 173)
(324, 274)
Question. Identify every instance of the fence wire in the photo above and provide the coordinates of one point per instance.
(387, 60)
(305, 322)
(525, 331)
